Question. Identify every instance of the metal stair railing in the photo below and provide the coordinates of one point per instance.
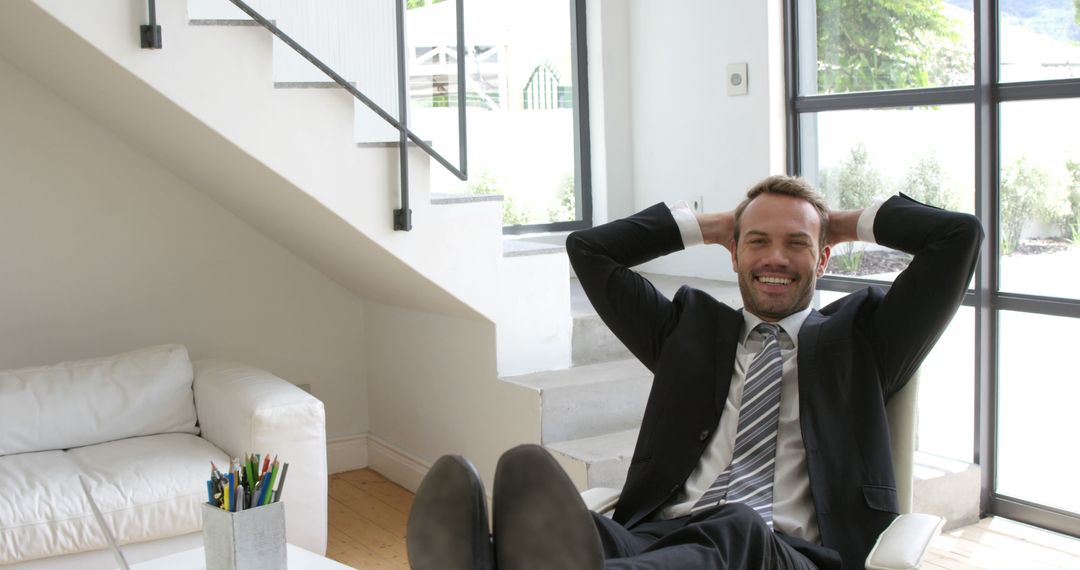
(402, 215)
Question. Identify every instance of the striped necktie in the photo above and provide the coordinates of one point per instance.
(748, 479)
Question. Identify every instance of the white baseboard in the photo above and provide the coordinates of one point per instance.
(359, 451)
(396, 465)
(346, 453)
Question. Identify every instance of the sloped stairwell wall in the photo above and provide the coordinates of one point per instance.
(283, 163)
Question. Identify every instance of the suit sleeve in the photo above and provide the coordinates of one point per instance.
(639, 315)
(926, 295)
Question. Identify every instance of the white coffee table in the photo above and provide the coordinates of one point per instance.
(195, 559)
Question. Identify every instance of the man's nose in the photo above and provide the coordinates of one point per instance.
(776, 256)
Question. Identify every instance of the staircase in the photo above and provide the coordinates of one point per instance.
(219, 108)
(591, 412)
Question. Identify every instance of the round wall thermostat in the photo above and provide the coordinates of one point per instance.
(736, 79)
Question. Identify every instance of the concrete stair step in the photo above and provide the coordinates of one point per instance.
(521, 247)
(599, 461)
(593, 342)
(589, 401)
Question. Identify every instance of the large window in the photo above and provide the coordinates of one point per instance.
(971, 105)
(526, 105)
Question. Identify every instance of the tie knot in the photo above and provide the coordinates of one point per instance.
(768, 330)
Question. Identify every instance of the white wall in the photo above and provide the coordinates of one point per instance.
(609, 108)
(104, 250)
(688, 137)
(435, 391)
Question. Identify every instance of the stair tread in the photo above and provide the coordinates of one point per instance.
(617, 446)
(615, 371)
(462, 197)
(519, 247)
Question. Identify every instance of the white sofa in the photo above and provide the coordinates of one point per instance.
(141, 428)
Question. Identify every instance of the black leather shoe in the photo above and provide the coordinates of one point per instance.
(540, 520)
(448, 523)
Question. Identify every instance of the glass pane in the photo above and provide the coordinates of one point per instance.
(1037, 395)
(519, 105)
(855, 156)
(878, 45)
(946, 417)
(1040, 197)
(1039, 40)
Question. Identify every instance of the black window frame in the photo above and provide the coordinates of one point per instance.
(579, 63)
(985, 96)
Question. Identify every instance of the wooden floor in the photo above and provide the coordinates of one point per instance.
(368, 514)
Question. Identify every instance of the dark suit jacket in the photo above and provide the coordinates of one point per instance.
(853, 355)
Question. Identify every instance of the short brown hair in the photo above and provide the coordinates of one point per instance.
(787, 186)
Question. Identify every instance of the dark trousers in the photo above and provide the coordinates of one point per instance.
(729, 537)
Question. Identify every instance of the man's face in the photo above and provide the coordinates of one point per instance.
(778, 256)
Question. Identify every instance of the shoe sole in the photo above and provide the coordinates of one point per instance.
(448, 522)
(541, 523)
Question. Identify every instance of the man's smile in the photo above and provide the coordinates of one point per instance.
(772, 280)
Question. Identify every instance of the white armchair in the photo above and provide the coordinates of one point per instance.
(903, 545)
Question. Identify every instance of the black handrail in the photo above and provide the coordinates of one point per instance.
(151, 33)
(403, 215)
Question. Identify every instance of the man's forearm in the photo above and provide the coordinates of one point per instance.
(843, 226)
(717, 227)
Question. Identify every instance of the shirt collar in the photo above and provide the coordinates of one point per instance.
(791, 325)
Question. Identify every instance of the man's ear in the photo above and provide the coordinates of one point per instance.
(733, 247)
(823, 262)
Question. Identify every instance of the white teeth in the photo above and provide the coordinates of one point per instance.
(774, 280)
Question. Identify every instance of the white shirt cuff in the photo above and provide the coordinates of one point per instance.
(865, 228)
(689, 228)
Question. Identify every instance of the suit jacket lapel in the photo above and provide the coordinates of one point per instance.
(727, 340)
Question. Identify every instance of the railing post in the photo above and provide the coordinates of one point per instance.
(151, 33)
(403, 215)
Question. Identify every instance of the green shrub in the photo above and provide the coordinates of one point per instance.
(849, 261)
(925, 182)
(855, 182)
(488, 185)
(565, 210)
(1071, 221)
(1023, 193)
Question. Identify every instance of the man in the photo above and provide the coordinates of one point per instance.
(764, 442)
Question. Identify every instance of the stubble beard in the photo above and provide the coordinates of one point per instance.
(772, 310)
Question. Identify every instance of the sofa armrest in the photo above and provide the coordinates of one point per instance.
(242, 409)
(904, 543)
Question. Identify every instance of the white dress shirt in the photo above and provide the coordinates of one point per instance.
(793, 506)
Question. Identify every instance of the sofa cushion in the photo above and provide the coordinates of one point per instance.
(72, 404)
(147, 488)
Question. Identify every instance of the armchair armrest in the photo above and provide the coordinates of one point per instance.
(242, 409)
(904, 543)
(600, 500)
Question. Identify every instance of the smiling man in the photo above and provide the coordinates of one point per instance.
(764, 443)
